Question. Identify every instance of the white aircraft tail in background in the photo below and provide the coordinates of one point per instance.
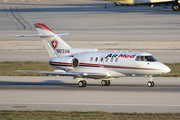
(84, 63)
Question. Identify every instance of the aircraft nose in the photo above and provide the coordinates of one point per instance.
(166, 69)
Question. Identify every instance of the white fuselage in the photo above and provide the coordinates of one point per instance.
(113, 63)
(132, 2)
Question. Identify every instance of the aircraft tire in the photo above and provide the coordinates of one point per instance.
(81, 84)
(150, 84)
(103, 82)
(85, 83)
(175, 7)
(108, 82)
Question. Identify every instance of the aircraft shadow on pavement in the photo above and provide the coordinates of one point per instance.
(47, 82)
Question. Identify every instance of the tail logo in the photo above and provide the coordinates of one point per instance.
(54, 43)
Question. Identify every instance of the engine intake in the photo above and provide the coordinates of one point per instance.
(75, 62)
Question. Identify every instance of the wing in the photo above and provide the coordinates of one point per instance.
(63, 73)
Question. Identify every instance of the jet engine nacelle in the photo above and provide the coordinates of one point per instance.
(65, 63)
(75, 62)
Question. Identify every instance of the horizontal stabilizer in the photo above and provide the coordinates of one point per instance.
(63, 73)
(42, 35)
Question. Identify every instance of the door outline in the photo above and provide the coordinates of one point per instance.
(101, 63)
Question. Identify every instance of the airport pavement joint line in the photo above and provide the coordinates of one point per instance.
(93, 104)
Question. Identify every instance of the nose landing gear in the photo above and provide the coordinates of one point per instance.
(150, 82)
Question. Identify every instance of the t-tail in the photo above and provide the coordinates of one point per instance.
(55, 46)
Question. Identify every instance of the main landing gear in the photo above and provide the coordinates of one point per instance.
(150, 82)
(105, 82)
(82, 83)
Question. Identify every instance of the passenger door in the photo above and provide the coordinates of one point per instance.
(101, 61)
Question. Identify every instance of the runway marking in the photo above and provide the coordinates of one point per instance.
(5, 41)
(162, 43)
(93, 104)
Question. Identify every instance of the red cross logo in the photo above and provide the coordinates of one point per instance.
(54, 43)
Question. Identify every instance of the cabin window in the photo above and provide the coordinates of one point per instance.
(106, 59)
(96, 59)
(111, 59)
(102, 59)
(91, 59)
(116, 60)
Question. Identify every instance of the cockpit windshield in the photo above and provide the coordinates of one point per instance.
(145, 58)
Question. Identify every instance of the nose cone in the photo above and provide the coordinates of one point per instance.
(166, 69)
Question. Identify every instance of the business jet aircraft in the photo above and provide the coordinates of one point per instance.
(89, 63)
(175, 3)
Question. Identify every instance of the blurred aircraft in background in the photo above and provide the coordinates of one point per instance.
(175, 3)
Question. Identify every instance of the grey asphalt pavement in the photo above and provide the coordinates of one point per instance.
(63, 94)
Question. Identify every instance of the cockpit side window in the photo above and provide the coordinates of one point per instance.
(150, 58)
(145, 58)
(141, 58)
(137, 58)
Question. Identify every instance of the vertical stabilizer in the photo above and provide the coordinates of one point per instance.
(55, 46)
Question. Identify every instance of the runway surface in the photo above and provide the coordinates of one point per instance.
(130, 28)
(43, 56)
(62, 94)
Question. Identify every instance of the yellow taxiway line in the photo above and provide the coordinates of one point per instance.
(5, 41)
(163, 43)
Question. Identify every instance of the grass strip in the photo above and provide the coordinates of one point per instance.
(6, 69)
(75, 115)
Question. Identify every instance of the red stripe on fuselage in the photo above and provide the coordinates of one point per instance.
(97, 65)
(114, 66)
(60, 63)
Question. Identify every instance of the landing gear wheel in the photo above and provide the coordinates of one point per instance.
(85, 83)
(81, 84)
(103, 82)
(175, 7)
(150, 84)
(108, 82)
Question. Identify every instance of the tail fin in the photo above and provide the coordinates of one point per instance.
(55, 46)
